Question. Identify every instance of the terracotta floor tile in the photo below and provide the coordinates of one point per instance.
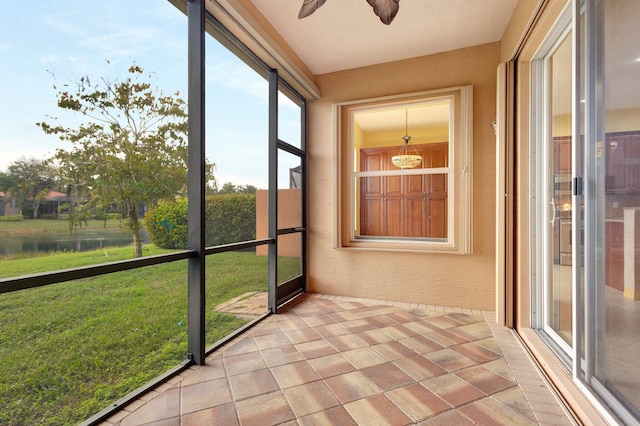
(331, 330)
(302, 335)
(272, 340)
(500, 366)
(466, 319)
(453, 389)
(473, 332)
(449, 418)
(332, 416)
(205, 395)
(489, 412)
(402, 317)
(297, 367)
(419, 367)
(449, 359)
(315, 349)
(221, 415)
(399, 331)
(318, 319)
(394, 350)
(417, 401)
(293, 323)
(346, 342)
(271, 408)
(281, 355)
(421, 344)
(380, 321)
(374, 337)
(475, 352)
(363, 357)
(162, 407)
(515, 400)
(310, 398)
(213, 369)
(491, 344)
(422, 326)
(338, 317)
(351, 386)
(357, 325)
(485, 380)
(387, 376)
(242, 346)
(253, 383)
(294, 374)
(443, 322)
(264, 328)
(239, 364)
(376, 410)
(331, 365)
(446, 338)
(364, 312)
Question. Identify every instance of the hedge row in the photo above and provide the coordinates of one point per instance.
(12, 218)
(229, 218)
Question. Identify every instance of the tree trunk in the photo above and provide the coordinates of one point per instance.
(134, 226)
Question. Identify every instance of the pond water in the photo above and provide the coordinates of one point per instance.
(53, 243)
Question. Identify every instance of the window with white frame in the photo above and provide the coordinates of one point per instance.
(405, 172)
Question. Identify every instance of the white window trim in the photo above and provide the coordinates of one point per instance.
(459, 239)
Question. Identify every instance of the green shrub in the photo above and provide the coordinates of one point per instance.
(167, 224)
(12, 218)
(229, 218)
(112, 216)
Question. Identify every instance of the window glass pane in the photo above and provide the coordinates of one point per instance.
(236, 288)
(289, 257)
(559, 249)
(621, 152)
(94, 192)
(70, 350)
(401, 204)
(236, 145)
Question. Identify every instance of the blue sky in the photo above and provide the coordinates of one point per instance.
(43, 43)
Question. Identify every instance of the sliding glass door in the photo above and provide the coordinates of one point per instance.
(552, 177)
(585, 192)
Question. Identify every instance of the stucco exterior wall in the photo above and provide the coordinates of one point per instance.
(442, 279)
(289, 216)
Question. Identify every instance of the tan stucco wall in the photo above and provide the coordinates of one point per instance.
(442, 279)
(289, 216)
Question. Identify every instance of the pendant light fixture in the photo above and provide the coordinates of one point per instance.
(405, 159)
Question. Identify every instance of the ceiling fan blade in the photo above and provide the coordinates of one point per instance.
(308, 7)
(385, 9)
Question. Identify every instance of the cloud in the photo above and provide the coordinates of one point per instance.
(5, 45)
(64, 27)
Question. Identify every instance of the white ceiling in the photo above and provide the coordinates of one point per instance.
(344, 34)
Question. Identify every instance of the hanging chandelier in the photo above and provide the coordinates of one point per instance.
(406, 159)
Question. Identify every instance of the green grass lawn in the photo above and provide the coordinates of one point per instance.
(69, 350)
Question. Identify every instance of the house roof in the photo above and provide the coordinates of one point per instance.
(58, 196)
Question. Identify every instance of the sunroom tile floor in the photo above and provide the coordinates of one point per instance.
(330, 360)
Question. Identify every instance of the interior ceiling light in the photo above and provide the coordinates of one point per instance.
(405, 159)
(385, 9)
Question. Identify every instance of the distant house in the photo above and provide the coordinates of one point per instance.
(49, 206)
(8, 205)
(51, 203)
